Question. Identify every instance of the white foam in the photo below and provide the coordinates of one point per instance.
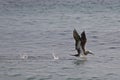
(54, 56)
(23, 56)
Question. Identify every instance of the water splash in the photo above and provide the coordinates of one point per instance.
(23, 56)
(55, 57)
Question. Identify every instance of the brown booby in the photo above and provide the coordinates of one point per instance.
(80, 42)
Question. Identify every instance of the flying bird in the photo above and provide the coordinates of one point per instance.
(80, 42)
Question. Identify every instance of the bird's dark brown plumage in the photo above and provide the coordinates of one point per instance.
(79, 41)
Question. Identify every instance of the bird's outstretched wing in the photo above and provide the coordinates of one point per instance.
(76, 35)
(83, 39)
(77, 38)
(77, 42)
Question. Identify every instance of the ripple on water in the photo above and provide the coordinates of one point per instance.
(112, 47)
(109, 74)
(95, 37)
(48, 77)
(112, 76)
(15, 75)
(44, 78)
(74, 79)
(94, 32)
(79, 62)
(95, 78)
(101, 43)
(31, 78)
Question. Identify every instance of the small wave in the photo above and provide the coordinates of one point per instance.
(102, 43)
(109, 74)
(66, 68)
(74, 79)
(31, 78)
(15, 75)
(79, 62)
(112, 47)
(95, 37)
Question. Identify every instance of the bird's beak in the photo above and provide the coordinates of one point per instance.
(91, 53)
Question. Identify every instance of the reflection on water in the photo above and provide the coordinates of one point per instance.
(79, 62)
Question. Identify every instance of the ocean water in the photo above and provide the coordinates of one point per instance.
(32, 30)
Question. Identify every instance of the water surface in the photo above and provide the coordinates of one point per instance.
(37, 28)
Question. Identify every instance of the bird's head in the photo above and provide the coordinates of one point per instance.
(88, 52)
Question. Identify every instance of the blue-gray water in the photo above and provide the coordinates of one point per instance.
(37, 28)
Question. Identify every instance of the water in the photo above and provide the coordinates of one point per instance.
(31, 30)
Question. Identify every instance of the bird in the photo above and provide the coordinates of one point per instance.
(80, 42)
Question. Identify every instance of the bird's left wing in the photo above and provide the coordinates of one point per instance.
(83, 38)
(76, 35)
